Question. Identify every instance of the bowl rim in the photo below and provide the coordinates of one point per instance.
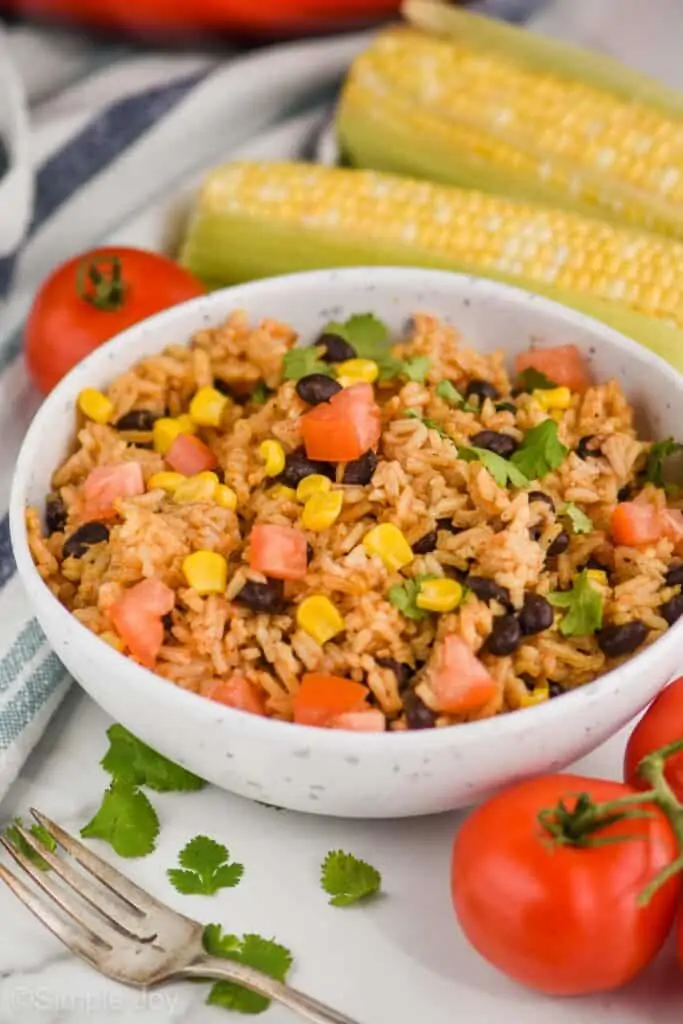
(181, 701)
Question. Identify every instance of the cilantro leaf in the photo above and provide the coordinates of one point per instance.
(583, 604)
(581, 523)
(301, 362)
(207, 868)
(656, 457)
(404, 597)
(416, 368)
(540, 451)
(253, 950)
(444, 389)
(347, 879)
(368, 335)
(502, 470)
(130, 760)
(38, 832)
(126, 820)
(532, 379)
(260, 394)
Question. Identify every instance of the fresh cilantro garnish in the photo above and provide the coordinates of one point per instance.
(38, 832)
(130, 760)
(260, 394)
(656, 457)
(347, 879)
(533, 380)
(581, 523)
(540, 451)
(450, 394)
(404, 597)
(502, 470)
(262, 954)
(583, 605)
(368, 335)
(301, 362)
(126, 820)
(205, 868)
(416, 368)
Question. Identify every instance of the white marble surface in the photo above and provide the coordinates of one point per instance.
(400, 960)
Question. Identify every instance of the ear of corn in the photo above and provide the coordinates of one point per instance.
(496, 108)
(255, 220)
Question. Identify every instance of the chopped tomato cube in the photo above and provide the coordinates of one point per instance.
(633, 524)
(564, 365)
(458, 679)
(321, 699)
(137, 616)
(189, 455)
(371, 720)
(104, 485)
(238, 692)
(344, 428)
(279, 552)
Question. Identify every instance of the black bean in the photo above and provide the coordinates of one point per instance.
(505, 636)
(401, 669)
(535, 532)
(617, 640)
(239, 397)
(481, 389)
(262, 597)
(310, 553)
(674, 577)
(625, 493)
(536, 614)
(487, 590)
(506, 407)
(55, 514)
(541, 496)
(298, 466)
(167, 621)
(560, 544)
(418, 715)
(528, 680)
(335, 348)
(361, 471)
(585, 449)
(500, 444)
(425, 544)
(449, 525)
(317, 388)
(672, 609)
(554, 689)
(137, 419)
(77, 543)
(593, 563)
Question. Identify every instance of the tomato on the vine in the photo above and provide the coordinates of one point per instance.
(92, 297)
(661, 724)
(564, 919)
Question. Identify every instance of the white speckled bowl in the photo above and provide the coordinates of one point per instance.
(334, 772)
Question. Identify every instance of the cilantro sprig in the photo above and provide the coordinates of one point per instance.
(205, 867)
(370, 338)
(404, 597)
(253, 950)
(583, 607)
(129, 759)
(658, 454)
(346, 879)
(502, 470)
(532, 379)
(444, 389)
(301, 362)
(540, 451)
(580, 522)
(38, 832)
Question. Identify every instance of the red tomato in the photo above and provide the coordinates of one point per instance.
(672, 526)
(344, 428)
(237, 692)
(679, 936)
(661, 724)
(633, 524)
(371, 720)
(563, 364)
(73, 313)
(279, 552)
(189, 455)
(104, 485)
(322, 699)
(137, 618)
(561, 919)
(458, 680)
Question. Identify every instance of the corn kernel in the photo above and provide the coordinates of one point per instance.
(316, 483)
(553, 398)
(166, 429)
(96, 406)
(225, 497)
(441, 595)
(201, 487)
(207, 407)
(318, 617)
(357, 371)
(283, 492)
(538, 695)
(206, 572)
(322, 510)
(597, 576)
(387, 541)
(273, 454)
(165, 481)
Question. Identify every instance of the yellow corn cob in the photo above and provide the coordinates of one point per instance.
(254, 220)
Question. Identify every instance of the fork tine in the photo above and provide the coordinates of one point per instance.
(118, 912)
(79, 940)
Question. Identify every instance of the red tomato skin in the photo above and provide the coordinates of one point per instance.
(661, 724)
(279, 552)
(344, 428)
(237, 692)
(105, 485)
(563, 364)
(322, 699)
(136, 617)
(189, 455)
(64, 328)
(371, 720)
(458, 679)
(561, 920)
(633, 524)
(679, 936)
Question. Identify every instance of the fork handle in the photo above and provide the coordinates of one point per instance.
(230, 970)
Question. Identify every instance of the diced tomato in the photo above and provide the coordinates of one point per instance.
(278, 552)
(137, 616)
(564, 365)
(371, 720)
(189, 455)
(104, 485)
(238, 692)
(672, 526)
(633, 524)
(344, 428)
(321, 699)
(458, 679)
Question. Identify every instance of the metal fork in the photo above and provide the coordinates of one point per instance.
(126, 934)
